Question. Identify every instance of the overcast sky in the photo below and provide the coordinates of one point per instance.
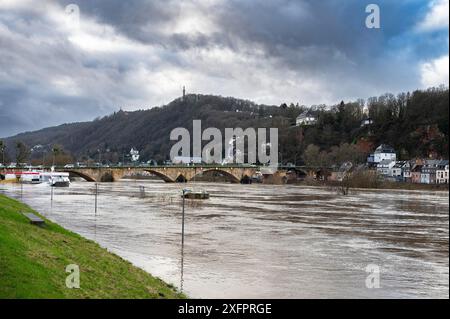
(138, 54)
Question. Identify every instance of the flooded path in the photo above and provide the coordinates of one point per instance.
(264, 241)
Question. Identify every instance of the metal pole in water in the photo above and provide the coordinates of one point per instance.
(182, 270)
(182, 221)
(182, 244)
(96, 194)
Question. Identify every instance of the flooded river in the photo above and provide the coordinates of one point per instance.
(264, 241)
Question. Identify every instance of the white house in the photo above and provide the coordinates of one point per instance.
(397, 170)
(425, 178)
(429, 172)
(306, 118)
(442, 173)
(385, 167)
(384, 152)
(134, 154)
(366, 122)
(407, 171)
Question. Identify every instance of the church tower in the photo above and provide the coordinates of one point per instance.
(184, 93)
(366, 111)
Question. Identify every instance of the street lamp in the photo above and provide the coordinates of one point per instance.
(182, 241)
(54, 150)
(3, 156)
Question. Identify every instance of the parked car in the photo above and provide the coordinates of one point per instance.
(69, 166)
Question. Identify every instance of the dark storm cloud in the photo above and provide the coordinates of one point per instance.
(304, 35)
(141, 20)
(139, 53)
(276, 24)
(129, 16)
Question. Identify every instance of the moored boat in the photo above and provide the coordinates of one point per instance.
(10, 177)
(195, 194)
(60, 181)
(55, 179)
(30, 177)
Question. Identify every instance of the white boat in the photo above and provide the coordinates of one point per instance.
(10, 177)
(30, 177)
(60, 181)
(188, 194)
(55, 179)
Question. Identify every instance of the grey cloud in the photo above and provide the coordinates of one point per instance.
(312, 51)
(305, 35)
(276, 24)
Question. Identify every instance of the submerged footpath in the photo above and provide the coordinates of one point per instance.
(34, 261)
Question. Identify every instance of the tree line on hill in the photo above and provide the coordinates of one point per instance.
(415, 124)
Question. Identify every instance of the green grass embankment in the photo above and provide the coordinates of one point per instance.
(33, 261)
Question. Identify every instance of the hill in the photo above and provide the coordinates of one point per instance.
(416, 124)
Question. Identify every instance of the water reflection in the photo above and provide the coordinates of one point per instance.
(262, 241)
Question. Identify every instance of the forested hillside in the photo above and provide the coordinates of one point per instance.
(415, 124)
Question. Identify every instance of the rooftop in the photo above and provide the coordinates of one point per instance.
(385, 162)
(436, 163)
(384, 148)
(400, 164)
(306, 114)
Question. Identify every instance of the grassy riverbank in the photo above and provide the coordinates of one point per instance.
(33, 261)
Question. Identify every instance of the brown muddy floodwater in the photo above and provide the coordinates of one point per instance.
(264, 241)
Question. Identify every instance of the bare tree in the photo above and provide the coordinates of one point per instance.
(22, 153)
(311, 155)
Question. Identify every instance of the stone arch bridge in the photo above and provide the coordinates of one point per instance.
(169, 174)
(172, 174)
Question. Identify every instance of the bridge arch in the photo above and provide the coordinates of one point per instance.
(164, 177)
(107, 177)
(82, 175)
(181, 179)
(233, 178)
(246, 179)
(157, 173)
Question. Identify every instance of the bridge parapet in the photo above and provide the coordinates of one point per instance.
(169, 174)
(173, 174)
